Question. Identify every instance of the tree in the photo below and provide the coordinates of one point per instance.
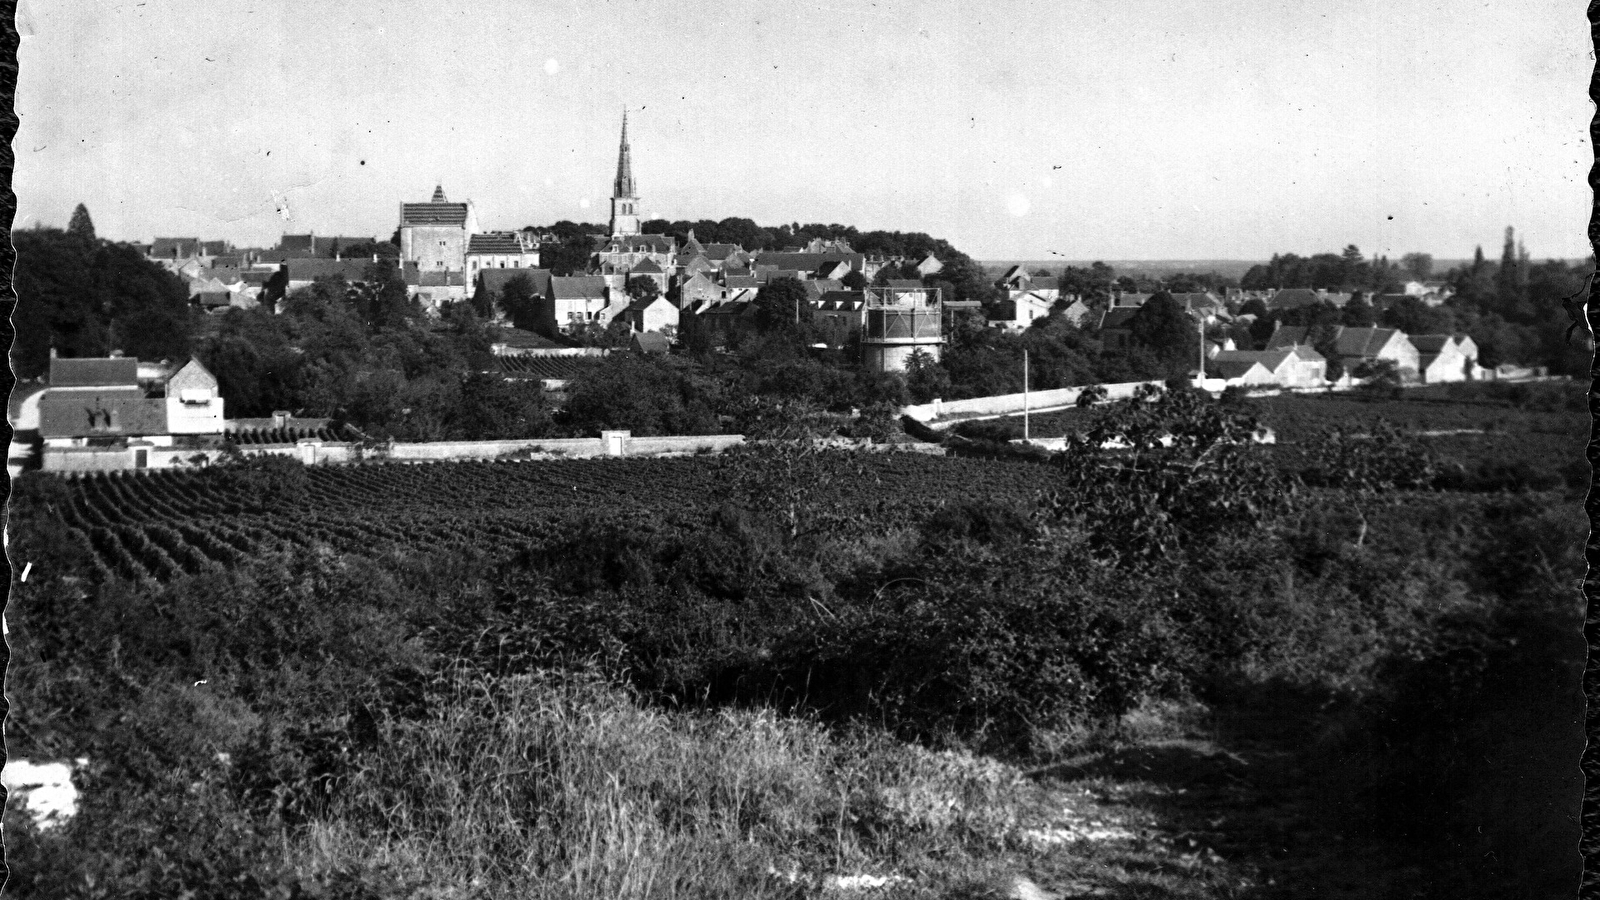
(1358, 313)
(854, 280)
(925, 378)
(642, 287)
(1379, 378)
(1255, 306)
(1413, 316)
(519, 302)
(1162, 326)
(80, 225)
(383, 300)
(1418, 265)
(781, 302)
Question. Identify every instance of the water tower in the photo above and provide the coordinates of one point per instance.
(901, 321)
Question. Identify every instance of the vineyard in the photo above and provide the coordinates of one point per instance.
(166, 524)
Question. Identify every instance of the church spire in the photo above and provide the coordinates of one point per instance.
(624, 186)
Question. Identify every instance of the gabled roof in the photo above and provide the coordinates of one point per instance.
(175, 248)
(718, 252)
(311, 268)
(500, 242)
(495, 280)
(1431, 343)
(1117, 317)
(578, 287)
(636, 243)
(213, 248)
(303, 242)
(1132, 300)
(651, 342)
(1198, 300)
(810, 262)
(1288, 336)
(435, 212)
(117, 371)
(740, 282)
(1271, 360)
(1363, 342)
(644, 303)
(647, 267)
(1293, 298)
(1230, 369)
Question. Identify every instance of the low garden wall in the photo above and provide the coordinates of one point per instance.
(941, 413)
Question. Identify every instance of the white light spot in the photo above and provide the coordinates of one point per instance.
(549, 182)
(1047, 181)
(584, 203)
(45, 789)
(1017, 205)
(551, 66)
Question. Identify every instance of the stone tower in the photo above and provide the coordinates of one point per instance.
(624, 195)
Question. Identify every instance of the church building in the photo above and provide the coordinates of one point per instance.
(617, 256)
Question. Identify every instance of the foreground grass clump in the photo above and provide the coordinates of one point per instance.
(544, 785)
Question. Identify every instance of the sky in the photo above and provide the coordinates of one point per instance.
(1097, 129)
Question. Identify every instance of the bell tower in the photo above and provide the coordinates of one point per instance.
(624, 195)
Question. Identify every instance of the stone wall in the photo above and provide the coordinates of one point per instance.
(939, 413)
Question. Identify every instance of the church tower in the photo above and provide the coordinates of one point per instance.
(624, 196)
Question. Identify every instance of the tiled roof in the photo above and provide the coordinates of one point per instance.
(494, 280)
(648, 267)
(1288, 336)
(1231, 368)
(717, 252)
(741, 282)
(810, 262)
(494, 242)
(1363, 342)
(433, 214)
(636, 243)
(651, 342)
(312, 268)
(433, 278)
(580, 287)
(292, 242)
(121, 371)
(1117, 317)
(1431, 343)
(1293, 298)
(174, 248)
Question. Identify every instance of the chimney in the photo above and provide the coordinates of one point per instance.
(280, 418)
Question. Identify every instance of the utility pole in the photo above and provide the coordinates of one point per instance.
(1202, 349)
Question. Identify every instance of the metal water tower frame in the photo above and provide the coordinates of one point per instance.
(899, 322)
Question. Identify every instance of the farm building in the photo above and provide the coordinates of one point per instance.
(1355, 346)
(1292, 367)
(1445, 357)
(124, 408)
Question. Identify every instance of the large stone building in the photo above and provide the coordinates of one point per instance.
(435, 235)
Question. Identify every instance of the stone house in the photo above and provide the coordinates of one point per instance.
(1445, 357)
(499, 250)
(1355, 346)
(653, 314)
(1291, 367)
(434, 235)
(573, 302)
